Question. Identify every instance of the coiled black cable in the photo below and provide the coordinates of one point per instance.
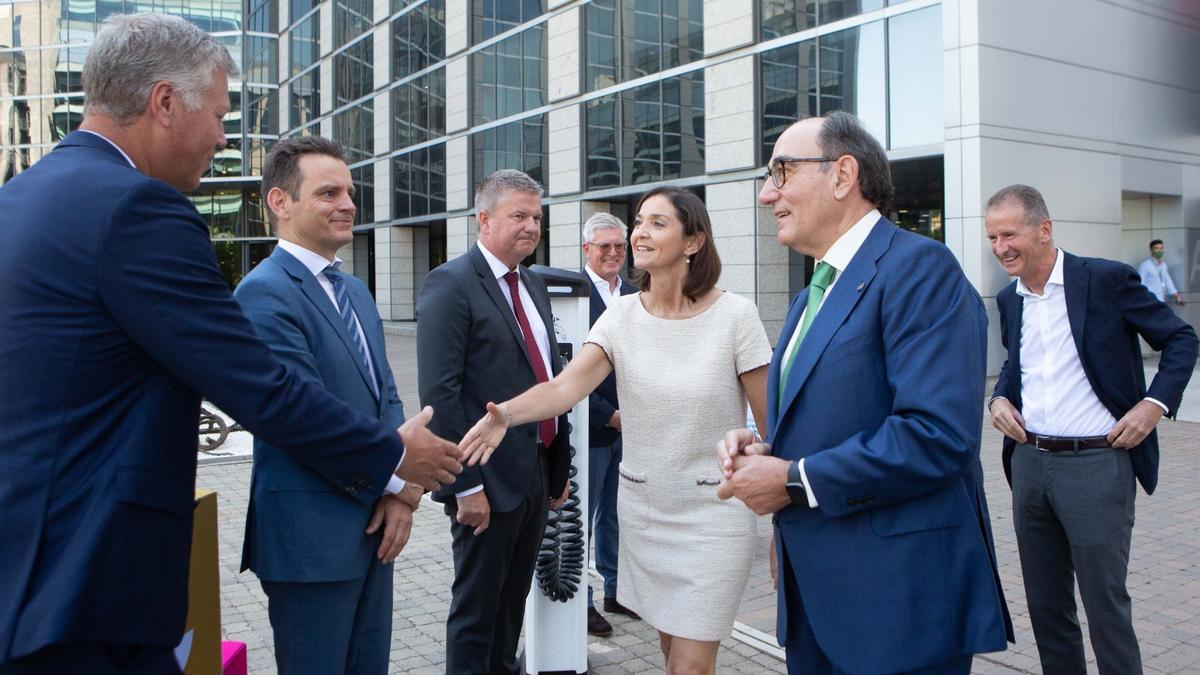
(560, 558)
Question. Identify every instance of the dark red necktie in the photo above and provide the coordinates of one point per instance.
(545, 427)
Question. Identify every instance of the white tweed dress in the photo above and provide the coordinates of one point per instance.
(684, 555)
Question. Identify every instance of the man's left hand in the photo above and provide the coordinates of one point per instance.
(1135, 426)
(556, 504)
(760, 481)
(396, 517)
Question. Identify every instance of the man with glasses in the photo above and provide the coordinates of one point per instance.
(604, 248)
(874, 415)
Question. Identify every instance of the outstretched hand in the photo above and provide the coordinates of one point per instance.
(429, 460)
(482, 439)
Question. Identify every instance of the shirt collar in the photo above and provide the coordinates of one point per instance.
(1056, 278)
(842, 252)
(499, 269)
(97, 135)
(598, 280)
(313, 262)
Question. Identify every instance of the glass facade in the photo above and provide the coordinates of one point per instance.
(493, 17)
(517, 145)
(628, 39)
(510, 75)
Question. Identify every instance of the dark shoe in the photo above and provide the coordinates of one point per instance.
(597, 624)
(613, 607)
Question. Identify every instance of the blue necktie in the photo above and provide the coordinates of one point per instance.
(348, 320)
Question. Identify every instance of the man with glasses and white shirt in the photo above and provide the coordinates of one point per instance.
(604, 248)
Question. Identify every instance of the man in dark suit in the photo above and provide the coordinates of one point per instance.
(114, 320)
(1079, 423)
(604, 249)
(485, 333)
(323, 557)
(875, 400)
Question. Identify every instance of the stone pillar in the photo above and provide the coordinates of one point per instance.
(730, 118)
(727, 25)
(461, 233)
(458, 27)
(563, 53)
(565, 157)
(458, 178)
(457, 82)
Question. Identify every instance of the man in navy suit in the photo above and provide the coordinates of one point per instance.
(114, 321)
(604, 249)
(875, 401)
(323, 557)
(1079, 424)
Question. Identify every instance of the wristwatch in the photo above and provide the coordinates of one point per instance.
(795, 486)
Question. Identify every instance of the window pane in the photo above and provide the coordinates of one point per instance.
(784, 17)
(832, 10)
(789, 90)
(603, 168)
(915, 78)
(852, 75)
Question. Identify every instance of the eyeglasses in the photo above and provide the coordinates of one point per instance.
(777, 172)
(607, 247)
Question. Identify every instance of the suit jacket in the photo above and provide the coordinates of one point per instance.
(470, 351)
(114, 320)
(602, 402)
(299, 527)
(884, 401)
(1108, 307)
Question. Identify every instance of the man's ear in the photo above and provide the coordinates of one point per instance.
(845, 176)
(280, 203)
(164, 103)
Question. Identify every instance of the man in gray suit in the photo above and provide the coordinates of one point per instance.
(323, 557)
(485, 333)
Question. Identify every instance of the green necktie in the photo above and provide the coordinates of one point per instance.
(822, 277)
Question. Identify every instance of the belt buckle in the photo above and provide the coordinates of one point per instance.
(1037, 443)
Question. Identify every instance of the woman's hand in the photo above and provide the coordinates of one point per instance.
(483, 438)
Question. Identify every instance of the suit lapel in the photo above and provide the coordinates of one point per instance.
(312, 290)
(847, 291)
(1075, 287)
(491, 286)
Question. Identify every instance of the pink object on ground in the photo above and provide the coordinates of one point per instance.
(233, 658)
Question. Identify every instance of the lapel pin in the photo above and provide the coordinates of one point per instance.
(861, 286)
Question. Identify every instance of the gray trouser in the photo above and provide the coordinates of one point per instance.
(1073, 513)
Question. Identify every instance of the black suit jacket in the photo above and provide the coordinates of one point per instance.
(114, 321)
(470, 351)
(602, 402)
(1108, 308)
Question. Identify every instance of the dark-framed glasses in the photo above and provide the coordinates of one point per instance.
(607, 247)
(777, 171)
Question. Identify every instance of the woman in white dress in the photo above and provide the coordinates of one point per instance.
(688, 356)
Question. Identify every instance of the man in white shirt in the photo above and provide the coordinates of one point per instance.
(323, 558)
(604, 248)
(1155, 275)
(1079, 424)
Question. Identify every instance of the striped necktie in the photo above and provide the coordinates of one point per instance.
(348, 318)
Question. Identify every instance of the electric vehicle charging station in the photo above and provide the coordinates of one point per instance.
(556, 608)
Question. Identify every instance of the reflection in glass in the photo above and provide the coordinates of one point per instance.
(260, 59)
(353, 74)
(493, 17)
(915, 78)
(784, 17)
(305, 45)
(419, 109)
(789, 90)
(260, 116)
(852, 76)
(603, 163)
(354, 128)
(305, 96)
(920, 196)
(418, 39)
(67, 115)
(510, 75)
(230, 258)
(419, 182)
(627, 39)
(833, 10)
(351, 18)
(517, 145)
(363, 178)
(600, 24)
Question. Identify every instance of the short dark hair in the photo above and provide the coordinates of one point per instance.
(281, 169)
(844, 134)
(705, 266)
(1155, 242)
(1028, 197)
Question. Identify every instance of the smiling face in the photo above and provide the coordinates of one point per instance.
(605, 253)
(658, 240)
(321, 217)
(802, 207)
(1024, 249)
(512, 228)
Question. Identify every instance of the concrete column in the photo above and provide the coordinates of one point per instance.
(730, 118)
(383, 188)
(460, 235)
(458, 26)
(564, 53)
(381, 47)
(565, 222)
(325, 70)
(727, 25)
(458, 179)
(753, 264)
(402, 266)
(565, 157)
(457, 83)
(384, 246)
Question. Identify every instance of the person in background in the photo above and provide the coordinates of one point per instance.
(1156, 277)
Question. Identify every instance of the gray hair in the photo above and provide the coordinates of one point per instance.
(501, 182)
(603, 221)
(844, 134)
(133, 52)
(1028, 197)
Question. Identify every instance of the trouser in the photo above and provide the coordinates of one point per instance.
(1073, 514)
(602, 512)
(95, 659)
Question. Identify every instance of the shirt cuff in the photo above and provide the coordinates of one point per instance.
(468, 493)
(395, 485)
(993, 400)
(812, 498)
(1159, 403)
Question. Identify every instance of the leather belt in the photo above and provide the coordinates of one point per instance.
(1065, 443)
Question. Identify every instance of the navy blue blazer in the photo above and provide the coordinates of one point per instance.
(300, 527)
(1108, 308)
(114, 321)
(470, 351)
(884, 400)
(602, 402)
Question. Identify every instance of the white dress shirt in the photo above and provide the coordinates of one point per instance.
(1156, 278)
(838, 256)
(536, 325)
(316, 264)
(97, 135)
(607, 292)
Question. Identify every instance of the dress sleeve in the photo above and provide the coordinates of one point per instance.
(602, 331)
(751, 347)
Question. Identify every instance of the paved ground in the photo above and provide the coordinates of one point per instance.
(1164, 577)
